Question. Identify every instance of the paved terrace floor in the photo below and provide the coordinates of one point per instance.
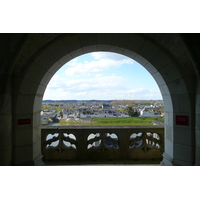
(112, 165)
(155, 162)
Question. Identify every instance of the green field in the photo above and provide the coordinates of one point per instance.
(116, 121)
(123, 121)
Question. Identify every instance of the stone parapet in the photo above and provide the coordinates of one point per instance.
(102, 144)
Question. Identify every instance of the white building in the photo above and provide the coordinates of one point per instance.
(149, 113)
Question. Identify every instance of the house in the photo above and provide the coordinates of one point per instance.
(145, 112)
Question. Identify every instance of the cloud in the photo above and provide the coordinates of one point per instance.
(86, 80)
(137, 90)
(101, 94)
(103, 62)
(93, 83)
(73, 62)
(142, 93)
(96, 87)
(110, 56)
(56, 82)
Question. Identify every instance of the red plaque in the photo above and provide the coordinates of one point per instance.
(182, 120)
(24, 121)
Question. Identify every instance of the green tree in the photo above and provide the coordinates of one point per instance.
(61, 114)
(120, 109)
(129, 110)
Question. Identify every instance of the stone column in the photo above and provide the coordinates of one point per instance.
(168, 132)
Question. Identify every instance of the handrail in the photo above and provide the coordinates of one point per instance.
(102, 143)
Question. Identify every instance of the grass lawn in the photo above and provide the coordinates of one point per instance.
(115, 121)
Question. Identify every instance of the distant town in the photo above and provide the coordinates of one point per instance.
(68, 110)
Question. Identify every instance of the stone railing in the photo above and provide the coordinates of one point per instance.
(102, 144)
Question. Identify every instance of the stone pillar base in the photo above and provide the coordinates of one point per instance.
(167, 160)
(38, 161)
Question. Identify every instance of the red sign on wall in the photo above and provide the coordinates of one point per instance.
(182, 120)
(24, 121)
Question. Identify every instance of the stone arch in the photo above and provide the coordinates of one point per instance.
(161, 65)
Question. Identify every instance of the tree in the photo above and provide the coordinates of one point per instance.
(61, 114)
(121, 110)
(133, 113)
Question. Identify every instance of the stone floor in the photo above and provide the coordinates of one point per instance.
(122, 165)
(99, 164)
(140, 162)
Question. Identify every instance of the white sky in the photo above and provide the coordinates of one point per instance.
(103, 76)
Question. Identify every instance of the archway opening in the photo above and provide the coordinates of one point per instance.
(98, 89)
(102, 85)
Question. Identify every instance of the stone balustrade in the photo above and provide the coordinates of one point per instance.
(102, 144)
